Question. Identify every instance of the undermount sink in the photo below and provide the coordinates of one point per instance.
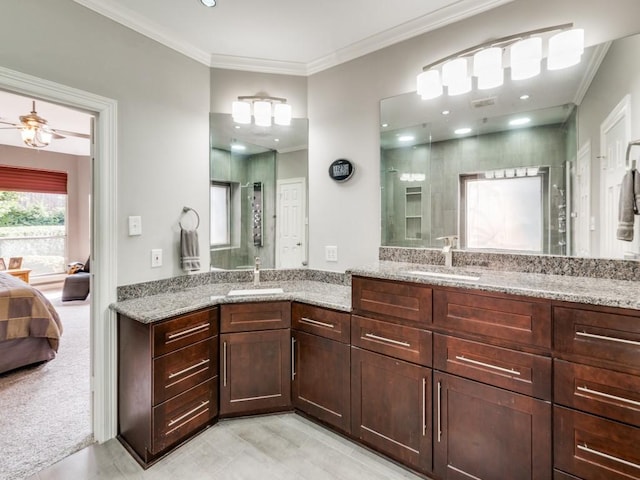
(448, 276)
(255, 291)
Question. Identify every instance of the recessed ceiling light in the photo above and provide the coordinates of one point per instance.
(519, 121)
(406, 138)
(446, 112)
(237, 147)
(276, 139)
(385, 125)
(208, 3)
(462, 131)
(524, 97)
(237, 127)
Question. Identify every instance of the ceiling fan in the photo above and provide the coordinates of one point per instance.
(36, 131)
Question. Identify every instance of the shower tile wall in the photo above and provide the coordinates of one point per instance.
(443, 162)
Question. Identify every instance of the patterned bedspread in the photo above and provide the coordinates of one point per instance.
(26, 312)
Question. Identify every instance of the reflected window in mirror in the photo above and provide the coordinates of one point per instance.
(220, 214)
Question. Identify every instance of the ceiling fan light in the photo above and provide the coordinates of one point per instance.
(429, 85)
(262, 113)
(282, 114)
(526, 56)
(44, 136)
(487, 66)
(241, 112)
(565, 49)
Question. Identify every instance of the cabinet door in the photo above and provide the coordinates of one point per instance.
(391, 407)
(256, 371)
(321, 379)
(484, 432)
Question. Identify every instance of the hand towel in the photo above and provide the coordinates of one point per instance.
(627, 207)
(189, 250)
(636, 191)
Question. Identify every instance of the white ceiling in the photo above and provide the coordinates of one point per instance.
(297, 37)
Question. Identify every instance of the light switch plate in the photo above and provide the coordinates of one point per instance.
(135, 225)
(331, 253)
(156, 257)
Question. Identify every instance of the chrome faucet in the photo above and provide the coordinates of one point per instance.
(256, 271)
(450, 242)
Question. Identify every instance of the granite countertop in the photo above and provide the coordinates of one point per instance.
(152, 308)
(594, 291)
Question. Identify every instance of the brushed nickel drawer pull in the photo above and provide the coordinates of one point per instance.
(605, 337)
(607, 395)
(462, 358)
(189, 331)
(439, 411)
(585, 448)
(189, 413)
(185, 370)
(224, 364)
(317, 323)
(424, 407)
(293, 359)
(388, 340)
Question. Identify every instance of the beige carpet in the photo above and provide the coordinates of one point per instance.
(45, 412)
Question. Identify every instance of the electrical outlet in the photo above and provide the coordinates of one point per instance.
(156, 257)
(331, 253)
(135, 225)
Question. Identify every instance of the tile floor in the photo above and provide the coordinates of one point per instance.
(274, 447)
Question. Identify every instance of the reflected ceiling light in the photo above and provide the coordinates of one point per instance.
(462, 131)
(525, 53)
(565, 49)
(236, 147)
(445, 112)
(487, 66)
(519, 121)
(208, 3)
(263, 109)
(524, 97)
(406, 138)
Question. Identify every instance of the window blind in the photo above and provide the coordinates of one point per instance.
(19, 179)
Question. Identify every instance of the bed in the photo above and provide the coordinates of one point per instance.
(30, 327)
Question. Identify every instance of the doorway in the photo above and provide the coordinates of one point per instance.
(291, 225)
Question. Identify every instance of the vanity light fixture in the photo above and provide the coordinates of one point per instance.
(263, 109)
(522, 53)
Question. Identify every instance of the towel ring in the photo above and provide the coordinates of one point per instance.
(186, 210)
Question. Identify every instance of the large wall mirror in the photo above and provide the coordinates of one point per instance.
(258, 196)
(534, 166)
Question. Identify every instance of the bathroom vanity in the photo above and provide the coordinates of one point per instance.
(507, 376)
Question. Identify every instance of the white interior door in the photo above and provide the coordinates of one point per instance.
(582, 202)
(290, 223)
(614, 134)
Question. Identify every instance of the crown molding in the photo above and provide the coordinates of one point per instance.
(458, 11)
(592, 69)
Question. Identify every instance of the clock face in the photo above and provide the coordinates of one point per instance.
(341, 170)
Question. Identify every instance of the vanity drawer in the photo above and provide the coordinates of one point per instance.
(399, 341)
(610, 337)
(392, 299)
(184, 330)
(597, 390)
(321, 321)
(185, 368)
(177, 418)
(246, 317)
(512, 321)
(516, 371)
(593, 448)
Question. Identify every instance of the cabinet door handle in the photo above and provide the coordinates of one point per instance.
(293, 359)
(609, 396)
(388, 340)
(185, 415)
(439, 411)
(462, 358)
(317, 323)
(585, 448)
(605, 337)
(224, 364)
(189, 331)
(185, 370)
(424, 406)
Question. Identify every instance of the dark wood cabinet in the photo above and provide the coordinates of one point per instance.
(167, 381)
(391, 407)
(255, 364)
(484, 432)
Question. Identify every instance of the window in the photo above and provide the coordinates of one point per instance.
(220, 214)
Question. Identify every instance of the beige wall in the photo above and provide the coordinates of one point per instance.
(78, 187)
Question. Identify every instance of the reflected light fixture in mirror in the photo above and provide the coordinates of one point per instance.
(566, 46)
(263, 109)
(208, 3)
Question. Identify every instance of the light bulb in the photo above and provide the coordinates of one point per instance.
(565, 49)
(241, 112)
(525, 58)
(454, 76)
(262, 113)
(487, 66)
(429, 85)
(282, 114)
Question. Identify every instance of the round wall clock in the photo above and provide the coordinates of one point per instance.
(341, 170)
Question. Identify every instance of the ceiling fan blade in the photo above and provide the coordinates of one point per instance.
(14, 125)
(67, 133)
